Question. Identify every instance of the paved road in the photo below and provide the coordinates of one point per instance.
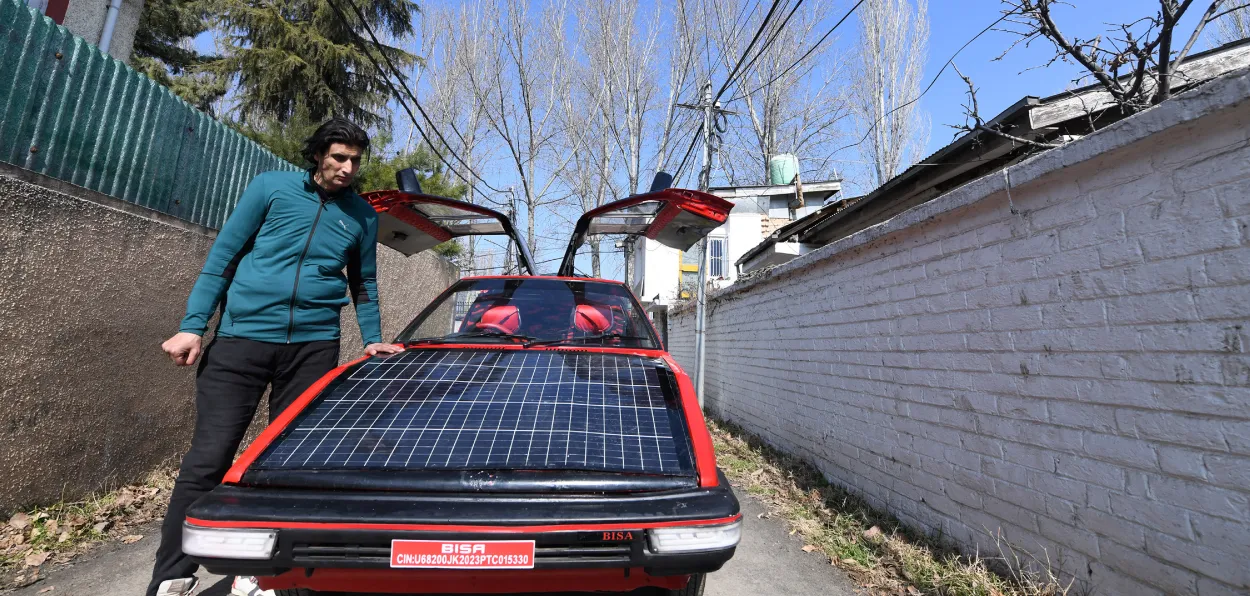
(769, 561)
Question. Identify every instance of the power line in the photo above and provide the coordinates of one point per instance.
(729, 80)
(803, 57)
(399, 98)
(927, 88)
(776, 34)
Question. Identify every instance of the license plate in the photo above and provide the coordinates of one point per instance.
(461, 554)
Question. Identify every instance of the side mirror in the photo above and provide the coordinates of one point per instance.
(663, 180)
(406, 181)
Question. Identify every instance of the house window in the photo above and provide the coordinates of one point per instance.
(716, 257)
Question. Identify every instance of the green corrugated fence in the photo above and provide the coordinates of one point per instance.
(69, 111)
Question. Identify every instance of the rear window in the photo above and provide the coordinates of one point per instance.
(543, 310)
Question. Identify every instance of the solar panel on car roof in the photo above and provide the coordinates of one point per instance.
(490, 409)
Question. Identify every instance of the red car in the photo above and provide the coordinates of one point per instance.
(535, 436)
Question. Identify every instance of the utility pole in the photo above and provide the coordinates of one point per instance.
(507, 247)
(710, 110)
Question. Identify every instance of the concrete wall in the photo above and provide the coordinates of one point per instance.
(89, 288)
(1065, 361)
(86, 20)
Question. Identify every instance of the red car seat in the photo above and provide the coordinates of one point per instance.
(501, 319)
(592, 319)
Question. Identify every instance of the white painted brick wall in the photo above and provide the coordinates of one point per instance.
(1075, 375)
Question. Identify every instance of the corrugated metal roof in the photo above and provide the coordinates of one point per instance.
(975, 154)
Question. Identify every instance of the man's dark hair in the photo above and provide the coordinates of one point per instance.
(335, 130)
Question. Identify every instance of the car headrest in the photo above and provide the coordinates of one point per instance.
(506, 317)
(592, 319)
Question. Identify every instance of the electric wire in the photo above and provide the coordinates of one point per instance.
(730, 79)
(399, 98)
(801, 58)
(927, 88)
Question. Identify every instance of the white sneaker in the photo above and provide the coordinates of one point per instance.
(246, 586)
(177, 587)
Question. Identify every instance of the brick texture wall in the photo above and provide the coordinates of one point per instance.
(1065, 362)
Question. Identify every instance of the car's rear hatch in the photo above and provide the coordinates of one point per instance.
(493, 420)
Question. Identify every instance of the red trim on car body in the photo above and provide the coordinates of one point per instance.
(702, 204)
(420, 222)
(551, 277)
(271, 432)
(666, 216)
(444, 581)
(700, 438)
(279, 525)
(381, 199)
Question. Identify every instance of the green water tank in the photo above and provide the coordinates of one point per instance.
(782, 169)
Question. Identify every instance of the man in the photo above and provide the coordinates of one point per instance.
(276, 270)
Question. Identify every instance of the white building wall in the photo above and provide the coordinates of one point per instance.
(86, 20)
(1064, 361)
(657, 268)
(745, 231)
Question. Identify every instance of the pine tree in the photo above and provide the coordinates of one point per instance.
(293, 56)
(163, 51)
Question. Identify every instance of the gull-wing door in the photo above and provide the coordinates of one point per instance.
(674, 217)
(411, 222)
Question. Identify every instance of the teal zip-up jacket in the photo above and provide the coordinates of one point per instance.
(278, 264)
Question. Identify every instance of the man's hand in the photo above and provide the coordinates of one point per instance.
(183, 348)
(375, 349)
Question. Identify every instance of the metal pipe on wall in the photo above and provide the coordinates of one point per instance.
(110, 23)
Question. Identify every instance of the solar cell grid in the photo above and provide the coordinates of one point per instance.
(482, 409)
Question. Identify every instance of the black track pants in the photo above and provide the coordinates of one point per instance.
(232, 377)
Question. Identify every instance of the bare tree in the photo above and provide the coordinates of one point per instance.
(456, 48)
(1233, 26)
(791, 101)
(519, 88)
(1134, 62)
(893, 46)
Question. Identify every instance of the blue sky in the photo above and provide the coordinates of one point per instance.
(1002, 83)
(952, 23)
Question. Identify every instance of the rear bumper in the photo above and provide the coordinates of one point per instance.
(331, 530)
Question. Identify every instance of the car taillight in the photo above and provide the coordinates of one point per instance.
(694, 538)
(222, 543)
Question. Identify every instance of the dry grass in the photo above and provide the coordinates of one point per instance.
(38, 537)
(871, 546)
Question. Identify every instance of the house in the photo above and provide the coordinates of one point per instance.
(664, 276)
(1048, 120)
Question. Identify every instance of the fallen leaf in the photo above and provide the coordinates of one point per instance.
(19, 521)
(851, 562)
(872, 532)
(51, 527)
(36, 558)
(763, 515)
(913, 591)
(41, 515)
(809, 548)
(47, 589)
(63, 537)
(132, 538)
(101, 527)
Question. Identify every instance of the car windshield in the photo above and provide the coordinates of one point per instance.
(533, 311)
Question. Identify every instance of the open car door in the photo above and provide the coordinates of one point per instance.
(674, 217)
(412, 222)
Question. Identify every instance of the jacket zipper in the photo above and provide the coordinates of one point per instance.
(290, 326)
